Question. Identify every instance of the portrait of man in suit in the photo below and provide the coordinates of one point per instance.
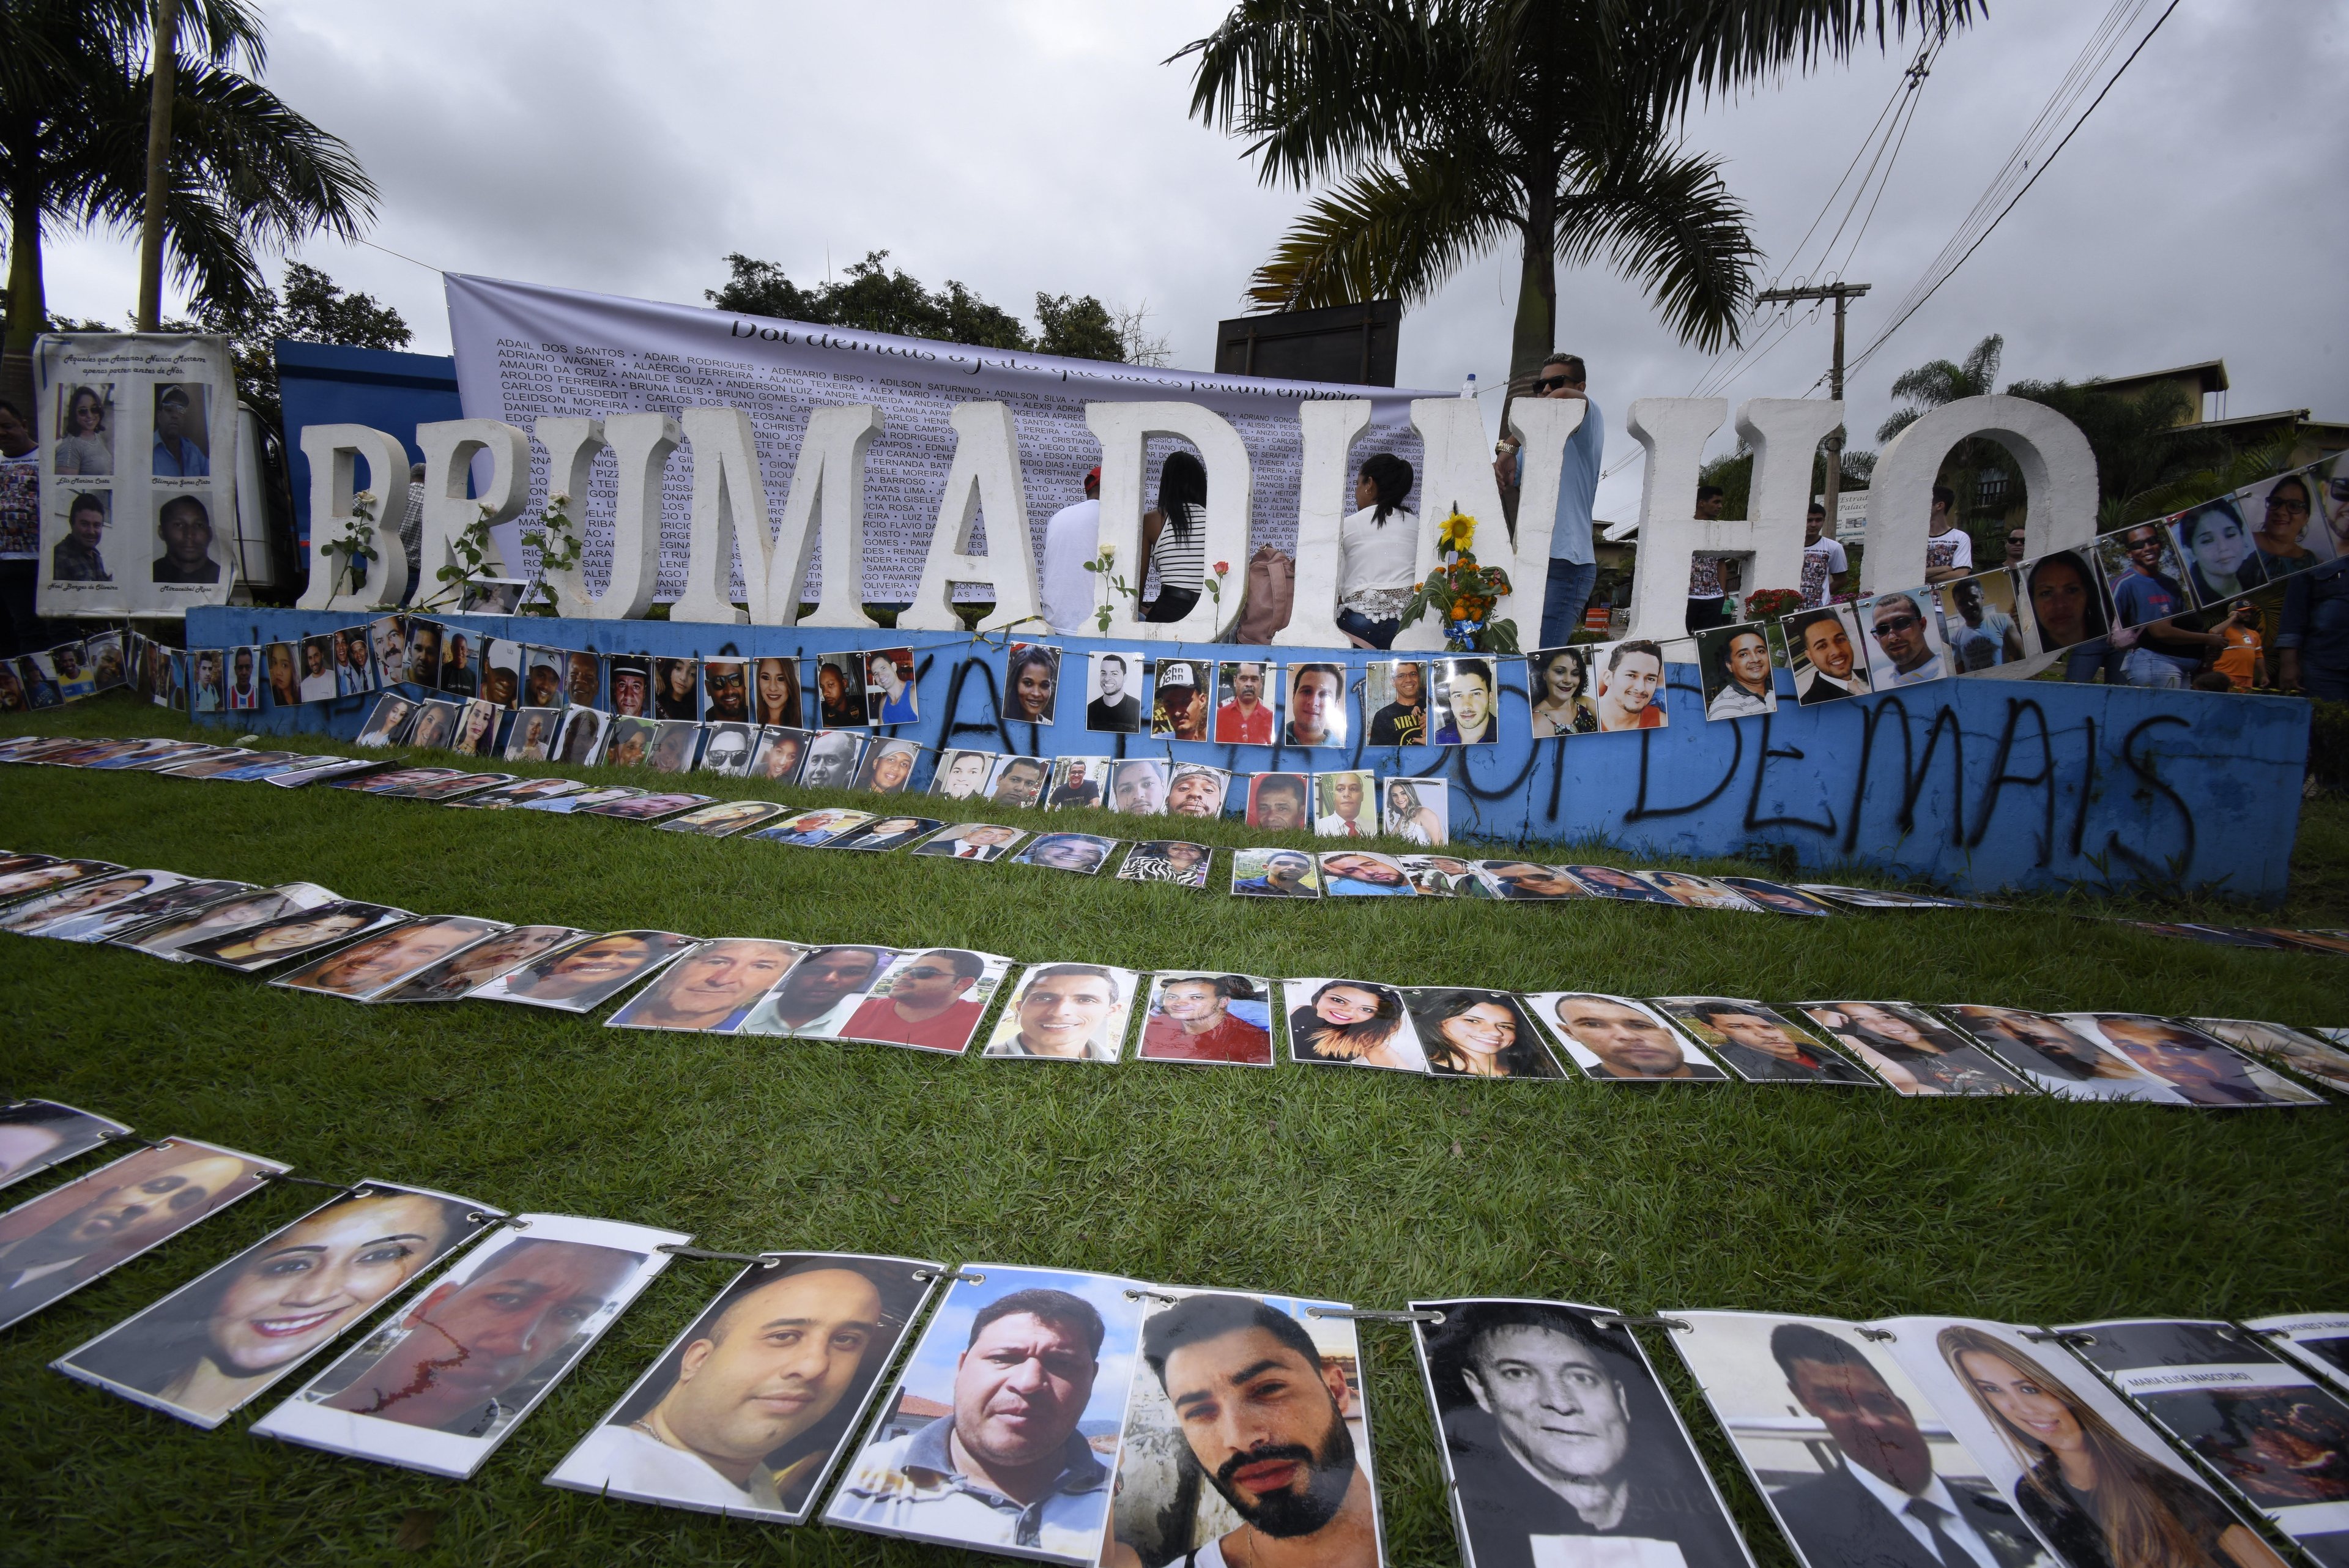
(1883, 1507)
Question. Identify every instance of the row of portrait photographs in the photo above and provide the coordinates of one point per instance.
(929, 998)
(449, 1373)
(66, 673)
(173, 527)
(39, 1134)
(53, 1244)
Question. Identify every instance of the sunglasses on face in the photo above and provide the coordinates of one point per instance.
(1551, 383)
(1895, 623)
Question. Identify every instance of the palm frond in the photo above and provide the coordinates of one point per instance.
(1729, 43)
(1387, 233)
(1665, 219)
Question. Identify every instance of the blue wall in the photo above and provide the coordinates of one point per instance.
(377, 387)
(1979, 784)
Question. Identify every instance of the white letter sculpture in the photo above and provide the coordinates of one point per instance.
(729, 518)
(2058, 471)
(985, 478)
(1325, 493)
(1459, 473)
(450, 447)
(641, 444)
(1124, 428)
(1673, 431)
(830, 471)
(334, 451)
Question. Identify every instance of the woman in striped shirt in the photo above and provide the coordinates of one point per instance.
(1174, 536)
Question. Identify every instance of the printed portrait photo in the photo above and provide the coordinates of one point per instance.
(182, 431)
(747, 1411)
(840, 691)
(711, 988)
(1827, 650)
(501, 671)
(2067, 601)
(1080, 782)
(1275, 874)
(725, 749)
(2206, 1071)
(1469, 1033)
(1138, 787)
(1691, 891)
(376, 964)
(282, 663)
(583, 679)
(1439, 875)
(183, 541)
(84, 447)
(1244, 713)
(461, 666)
(1559, 691)
(580, 740)
(1034, 1365)
(1911, 1050)
(775, 693)
(884, 834)
(2057, 1058)
(1735, 666)
(1394, 695)
(1207, 1018)
(929, 998)
(565, 803)
(628, 742)
(1194, 790)
(1779, 898)
(832, 757)
(1360, 874)
(677, 743)
(463, 972)
(543, 672)
(631, 678)
(1017, 781)
(1345, 803)
(1172, 860)
(1904, 634)
(1068, 1012)
(777, 757)
(1031, 683)
(52, 1245)
(528, 737)
(1350, 1024)
(51, 873)
(2305, 1053)
(1613, 1039)
(1083, 853)
(1113, 692)
(292, 936)
(1181, 704)
(633, 807)
(165, 939)
(1560, 1444)
(1981, 626)
(1468, 702)
(973, 841)
(1615, 882)
(1281, 802)
(676, 689)
(166, 898)
(888, 766)
(1296, 1468)
(810, 828)
(434, 728)
(1759, 1044)
(92, 895)
(80, 554)
(582, 975)
(1626, 685)
(465, 1359)
(962, 774)
(725, 691)
(723, 818)
(823, 988)
(37, 1134)
(225, 1338)
(1318, 714)
(424, 639)
(889, 692)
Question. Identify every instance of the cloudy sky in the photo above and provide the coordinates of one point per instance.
(626, 149)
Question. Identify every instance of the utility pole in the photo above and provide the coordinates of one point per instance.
(158, 158)
(1843, 294)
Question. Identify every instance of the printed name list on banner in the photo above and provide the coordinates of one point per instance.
(525, 352)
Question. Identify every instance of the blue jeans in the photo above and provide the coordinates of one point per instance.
(1377, 633)
(1568, 593)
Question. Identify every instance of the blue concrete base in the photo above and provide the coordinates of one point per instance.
(1976, 784)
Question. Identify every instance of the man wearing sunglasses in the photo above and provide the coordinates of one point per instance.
(1899, 626)
(1573, 566)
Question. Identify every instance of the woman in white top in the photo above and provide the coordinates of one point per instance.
(1379, 553)
(1174, 536)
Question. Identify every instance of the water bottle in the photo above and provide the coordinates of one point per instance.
(1468, 387)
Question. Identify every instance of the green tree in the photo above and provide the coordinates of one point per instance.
(246, 172)
(1078, 328)
(313, 310)
(1940, 382)
(874, 297)
(1451, 129)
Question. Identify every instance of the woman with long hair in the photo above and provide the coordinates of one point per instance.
(1353, 1024)
(1378, 553)
(85, 448)
(1174, 536)
(1031, 683)
(775, 692)
(1408, 818)
(1557, 675)
(2100, 1501)
(1480, 1034)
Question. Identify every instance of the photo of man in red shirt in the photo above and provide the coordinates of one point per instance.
(1191, 1020)
(924, 1002)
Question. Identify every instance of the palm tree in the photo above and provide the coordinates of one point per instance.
(1939, 382)
(1449, 129)
(246, 171)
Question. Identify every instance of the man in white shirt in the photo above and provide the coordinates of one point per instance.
(1825, 564)
(822, 990)
(1071, 539)
(1898, 625)
(1344, 793)
(776, 1360)
(1949, 549)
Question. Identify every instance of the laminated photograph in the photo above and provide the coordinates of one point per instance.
(890, 696)
(581, 975)
(1180, 706)
(1275, 874)
(676, 689)
(2303, 1054)
(166, 937)
(722, 818)
(1345, 803)
(580, 742)
(810, 828)
(2143, 574)
(639, 807)
(543, 671)
(519, 792)
(1614, 882)
(1911, 1050)
(33, 917)
(501, 672)
(1561, 1448)
(888, 766)
(2271, 1431)
(1360, 874)
(1735, 670)
(463, 972)
(1559, 692)
(375, 965)
(962, 774)
(2065, 596)
(817, 995)
(1626, 685)
(1021, 1376)
(630, 677)
(839, 695)
(1244, 712)
(781, 749)
(477, 728)
(725, 750)
(711, 988)
(1317, 714)
(1138, 787)
(52, 1245)
(929, 998)
(1031, 683)
(1350, 1024)
(2318, 1340)
(1247, 1434)
(1614, 1039)
(2204, 1070)
(675, 743)
(1067, 1012)
(1904, 639)
(1281, 802)
(1878, 897)
(1417, 811)
(1758, 1044)
(388, 648)
(973, 841)
(1827, 653)
(748, 1411)
(725, 691)
(1193, 789)
(225, 1338)
(1694, 892)
(385, 720)
(1779, 898)
(1207, 1018)
(465, 1359)
(460, 670)
(1467, 708)
(884, 834)
(389, 781)
(775, 700)
(1174, 860)
(39, 1134)
(293, 936)
(628, 743)
(576, 800)
(51, 873)
(1472, 1033)
(2057, 1058)
(245, 682)
(423, 652)
(1981, 626)
(1113, 692)
(831, 759)
(1083, 853)
(451, 788)
(528, 736)
(1439, 875)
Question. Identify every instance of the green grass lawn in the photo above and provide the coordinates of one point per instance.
(1368, 1186)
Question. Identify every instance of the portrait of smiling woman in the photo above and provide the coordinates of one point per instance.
(210, 1347)
(1479, 1034)
(1031, 683)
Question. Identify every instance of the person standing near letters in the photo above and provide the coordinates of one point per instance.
(1072, 538)
(1573, 565)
